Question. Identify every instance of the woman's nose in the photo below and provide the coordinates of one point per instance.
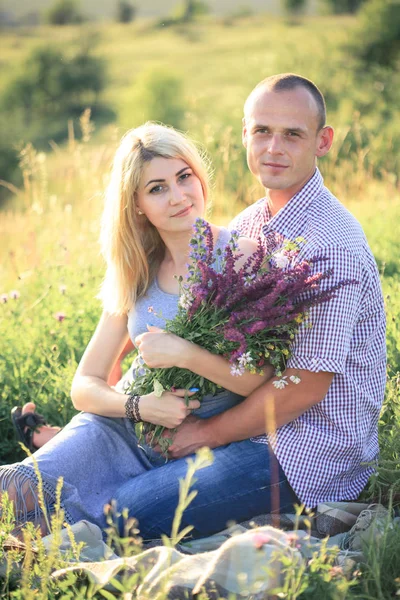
(176, 194)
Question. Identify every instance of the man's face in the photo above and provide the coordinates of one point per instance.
(282, 137)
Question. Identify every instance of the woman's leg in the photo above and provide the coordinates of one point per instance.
(244, 481)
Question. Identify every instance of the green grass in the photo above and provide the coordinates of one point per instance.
(49, 230)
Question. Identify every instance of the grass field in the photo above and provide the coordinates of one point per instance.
(49, 229)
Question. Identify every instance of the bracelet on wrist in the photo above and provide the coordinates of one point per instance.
(132, 408)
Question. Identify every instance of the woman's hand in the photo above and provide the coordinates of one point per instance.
(169, 410)
(160, 349)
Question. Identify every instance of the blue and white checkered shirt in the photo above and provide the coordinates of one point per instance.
(325, 452)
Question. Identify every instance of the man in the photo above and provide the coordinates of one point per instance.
(326, 426)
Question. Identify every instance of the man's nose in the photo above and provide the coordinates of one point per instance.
(275, 145)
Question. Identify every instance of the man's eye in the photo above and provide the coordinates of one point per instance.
(292, 134)
(261, 131)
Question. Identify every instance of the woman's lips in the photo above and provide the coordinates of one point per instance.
(183, 212)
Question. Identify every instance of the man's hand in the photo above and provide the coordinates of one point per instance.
(191, 435)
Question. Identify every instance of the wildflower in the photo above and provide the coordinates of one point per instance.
(260, 539)
(14, 294)
(60, 316)
(4, 298)
(63, 289)
(186, 300)
(150, 309)
(280, 383)
(245, 359)
(237, 370)
(335, 571)
(281, 259)
(295, 379)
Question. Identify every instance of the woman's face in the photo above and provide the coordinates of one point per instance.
(170, 194)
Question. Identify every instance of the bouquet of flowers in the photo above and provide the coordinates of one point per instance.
(250, 315)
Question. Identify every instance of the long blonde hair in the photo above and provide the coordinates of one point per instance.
(130, 244)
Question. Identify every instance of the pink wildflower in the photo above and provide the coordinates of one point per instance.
(60, 316)
(63, 289)
(14, 294)
(4, 298)
(335, 571)
(260, 539)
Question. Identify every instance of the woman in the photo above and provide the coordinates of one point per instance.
(158, 187)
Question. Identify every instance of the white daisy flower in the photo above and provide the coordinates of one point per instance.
(236, 370)
(295, 379)
(280, 383)
(245, 359)
(281, 259)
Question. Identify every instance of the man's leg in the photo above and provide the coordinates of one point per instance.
(244, 481)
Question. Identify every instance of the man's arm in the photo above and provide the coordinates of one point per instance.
(266, 409)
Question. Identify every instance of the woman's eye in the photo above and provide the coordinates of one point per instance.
(184, 176)
(156, 189)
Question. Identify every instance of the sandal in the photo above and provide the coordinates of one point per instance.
(25, 425)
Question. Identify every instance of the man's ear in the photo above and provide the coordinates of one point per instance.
(244, 133)
(325, 140)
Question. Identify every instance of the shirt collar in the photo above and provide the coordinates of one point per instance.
(289, 220)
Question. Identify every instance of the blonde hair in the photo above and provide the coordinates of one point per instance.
(130, 244)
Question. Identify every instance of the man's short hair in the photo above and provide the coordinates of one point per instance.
(289, 81)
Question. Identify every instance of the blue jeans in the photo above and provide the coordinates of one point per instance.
(245, 480)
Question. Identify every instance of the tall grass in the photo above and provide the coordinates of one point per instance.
(50, 268)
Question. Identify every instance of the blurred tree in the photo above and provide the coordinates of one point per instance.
(344, 6)
(189, 9)
(64, 12)
(293, 7)
(378, 39)
(126, 11)
(54, 84)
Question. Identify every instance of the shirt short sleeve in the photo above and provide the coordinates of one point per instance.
(324, 342)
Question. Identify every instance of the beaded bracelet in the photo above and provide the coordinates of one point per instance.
(132, 408)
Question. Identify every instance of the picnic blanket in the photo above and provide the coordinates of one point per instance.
(243, 561)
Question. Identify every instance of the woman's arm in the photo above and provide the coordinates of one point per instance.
(162, 350)
(91, 393)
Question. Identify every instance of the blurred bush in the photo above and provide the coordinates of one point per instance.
(188, 10)
(64, 12)
(343, 6)
(378, 38)
(157, 95)
(52, 83)
(53, 86)
(294, 7)
(126, 12)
